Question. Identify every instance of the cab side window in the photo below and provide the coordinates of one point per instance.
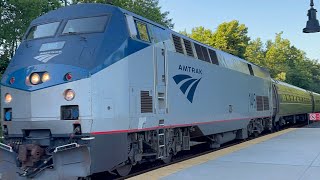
(142, 31)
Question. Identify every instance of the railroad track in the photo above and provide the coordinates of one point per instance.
(196, 151)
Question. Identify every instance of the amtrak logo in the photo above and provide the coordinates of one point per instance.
(190, 84)
(47, 56)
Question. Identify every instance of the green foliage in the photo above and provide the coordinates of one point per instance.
(231, 37)
(285, 62)
(147, 8)
(277, 55)
(255, 52)
(202, 35)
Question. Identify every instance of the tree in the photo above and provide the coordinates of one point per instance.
(298, 72)
(255, 52)
(287, 63)
(231, 37)
(314, 68)
(202, 35)
(277, 55)
(149, 9)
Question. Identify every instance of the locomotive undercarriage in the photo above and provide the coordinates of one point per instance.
(154, 145)
(257, 126)
(161, 143)
(164, 143)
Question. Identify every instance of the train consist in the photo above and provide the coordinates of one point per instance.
(96, 88)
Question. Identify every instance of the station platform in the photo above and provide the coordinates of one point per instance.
(291, 154)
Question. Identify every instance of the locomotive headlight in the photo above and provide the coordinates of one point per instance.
(35, 78)
(69, 94)
(7, 98)
(45, 77)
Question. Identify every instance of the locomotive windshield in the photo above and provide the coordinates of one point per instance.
(86, 25)
(43, 30)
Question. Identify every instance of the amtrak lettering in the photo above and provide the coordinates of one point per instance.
(190, 69)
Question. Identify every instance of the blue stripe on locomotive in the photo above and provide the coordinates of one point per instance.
(82, 54)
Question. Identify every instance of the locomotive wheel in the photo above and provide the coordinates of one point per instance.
(124, 170)
(167, 159)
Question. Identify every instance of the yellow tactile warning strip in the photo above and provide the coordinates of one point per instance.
(166, 171)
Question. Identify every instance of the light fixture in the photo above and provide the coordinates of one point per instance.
(312, 23)
(68, 76)
(12, 80)
(7, 98)
(69, 94)
(45, 77)
(35, 78)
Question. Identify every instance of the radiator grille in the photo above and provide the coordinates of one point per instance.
(265, 103)
(177, 44)
(259, 103)
(205, 54)
(199, 51)
(187, 45)
(146, 102)
(214, 57)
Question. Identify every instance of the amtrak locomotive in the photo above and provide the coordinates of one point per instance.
(96, 88)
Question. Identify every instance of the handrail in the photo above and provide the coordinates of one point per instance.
(66, 147)
(6, 147)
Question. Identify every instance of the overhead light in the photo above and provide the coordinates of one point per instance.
(312, 23)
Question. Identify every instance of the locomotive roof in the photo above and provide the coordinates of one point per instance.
(75, 11)
(85, 10)
(288, 85)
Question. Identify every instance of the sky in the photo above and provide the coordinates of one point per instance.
(264, 18)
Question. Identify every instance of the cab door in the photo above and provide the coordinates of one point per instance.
(160, 71)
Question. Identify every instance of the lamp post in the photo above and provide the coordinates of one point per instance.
(312, 23)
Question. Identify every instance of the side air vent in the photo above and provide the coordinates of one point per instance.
(177, 43)
(214, 57)
(205, 54)
(146, 102)
(259, 103)
(199, 51)
(187, 45)
(266, 103)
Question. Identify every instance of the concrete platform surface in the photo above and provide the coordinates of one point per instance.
(292, 154)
